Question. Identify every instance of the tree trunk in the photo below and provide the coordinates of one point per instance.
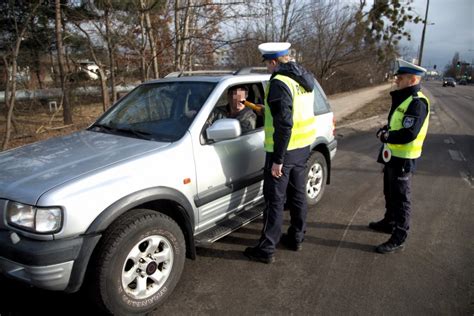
(54, 73)
(66, 54)
(7, 83)
(110, 48)
(11, 99)
(67, 113)
(37, 70)
(10, 106)
(177, 35)
(10, 102)
(284, 27)
(102, 75)
(184, 35)
(105, 90)
(151, 39)
(143, 64)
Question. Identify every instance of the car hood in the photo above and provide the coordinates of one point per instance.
(27, 172)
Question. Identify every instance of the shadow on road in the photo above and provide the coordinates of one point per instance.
(20, 299)
(338, 226)
(255, 234)
(339, 244)
(222, 254)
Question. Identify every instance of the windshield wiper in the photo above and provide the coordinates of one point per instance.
(102, 127)
(138, 134)
(113, 130)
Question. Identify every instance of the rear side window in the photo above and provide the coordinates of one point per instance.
(321, 104)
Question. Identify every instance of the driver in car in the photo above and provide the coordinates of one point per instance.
(236, 109)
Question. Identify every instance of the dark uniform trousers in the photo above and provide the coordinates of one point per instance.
(397, 191)
(289, 188)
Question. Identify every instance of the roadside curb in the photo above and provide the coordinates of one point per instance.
(364, 125)
(368, 119)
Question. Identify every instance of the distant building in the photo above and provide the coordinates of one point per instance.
(222, 57)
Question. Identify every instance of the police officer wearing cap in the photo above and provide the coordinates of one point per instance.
(402, 142)
(289, 131)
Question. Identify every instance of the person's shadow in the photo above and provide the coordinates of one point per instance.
(254, 234)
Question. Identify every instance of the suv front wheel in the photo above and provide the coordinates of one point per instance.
(316, 175)
(139, 263)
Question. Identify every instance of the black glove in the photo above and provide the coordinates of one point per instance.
(381, 131)
(383, 136)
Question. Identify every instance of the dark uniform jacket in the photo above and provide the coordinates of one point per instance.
(412, 122)
(280, 102)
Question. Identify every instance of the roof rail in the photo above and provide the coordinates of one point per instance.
(249, 70)
(198, 72)
(241, 71)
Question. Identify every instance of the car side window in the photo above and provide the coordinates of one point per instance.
(320, 101)
(255, 95)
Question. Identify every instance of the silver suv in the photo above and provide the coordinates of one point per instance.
(117, 207)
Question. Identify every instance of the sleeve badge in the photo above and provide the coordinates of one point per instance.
(408, 121)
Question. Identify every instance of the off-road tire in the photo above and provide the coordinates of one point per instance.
(133, 232)
(316, 176)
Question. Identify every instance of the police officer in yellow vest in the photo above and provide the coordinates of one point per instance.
(289, 131)
(402, 142)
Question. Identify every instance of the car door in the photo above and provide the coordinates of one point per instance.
(229, 172)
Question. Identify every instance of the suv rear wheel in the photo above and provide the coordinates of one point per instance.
(316, 176)
(139, 263)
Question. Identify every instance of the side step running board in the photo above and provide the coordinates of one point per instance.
(229, 225)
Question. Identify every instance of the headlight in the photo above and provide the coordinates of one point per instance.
(36, 219)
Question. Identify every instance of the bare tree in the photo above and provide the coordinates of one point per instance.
(181, 22)
(292, 15)
(329, 46)
(150, 34)
(20, 27)
(102, 75)
(110, 47)
(67, 113)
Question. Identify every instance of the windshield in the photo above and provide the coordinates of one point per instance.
(158, 111)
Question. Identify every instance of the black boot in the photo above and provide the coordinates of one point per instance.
(290, 243)
(382, 227)
(256, 254)
(389, 246)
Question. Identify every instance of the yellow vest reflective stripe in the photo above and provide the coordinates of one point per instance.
(303, 132)
(413, 149)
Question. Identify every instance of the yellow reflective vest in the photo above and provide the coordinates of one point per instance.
(303, 132)
(413, 149)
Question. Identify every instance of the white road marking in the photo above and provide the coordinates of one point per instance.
(456, 155)
(449, 140)
(467, 177)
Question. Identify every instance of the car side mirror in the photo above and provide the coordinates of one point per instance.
(224, 129)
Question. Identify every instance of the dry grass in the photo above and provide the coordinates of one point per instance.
(35, 122)
(379, 106)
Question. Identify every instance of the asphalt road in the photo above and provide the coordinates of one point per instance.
(338, 272)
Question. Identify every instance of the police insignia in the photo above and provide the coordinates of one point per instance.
(408, 121)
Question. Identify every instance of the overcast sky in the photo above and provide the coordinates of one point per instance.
(453, 31)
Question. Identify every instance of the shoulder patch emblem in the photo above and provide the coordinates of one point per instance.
(408, 121)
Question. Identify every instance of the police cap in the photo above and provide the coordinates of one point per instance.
(405, 67)
(274, 50)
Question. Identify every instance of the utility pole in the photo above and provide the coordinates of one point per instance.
(423, 33)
